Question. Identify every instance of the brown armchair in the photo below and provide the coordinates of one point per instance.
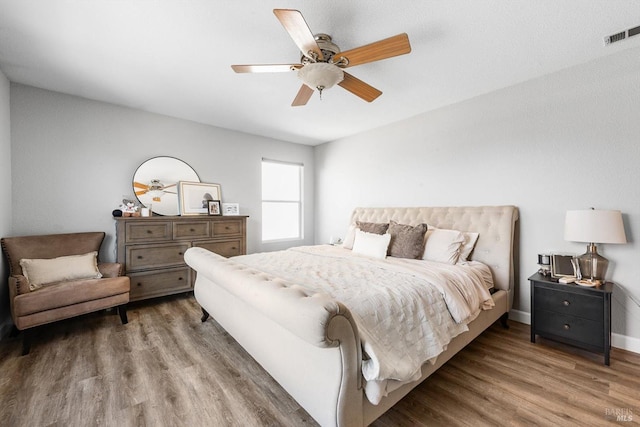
(61, 299)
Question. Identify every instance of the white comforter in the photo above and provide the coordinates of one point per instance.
(407, 311)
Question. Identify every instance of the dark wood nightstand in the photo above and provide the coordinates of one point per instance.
(572, 314)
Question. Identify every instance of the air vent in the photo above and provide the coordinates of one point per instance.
(622, 35)
(615, 37)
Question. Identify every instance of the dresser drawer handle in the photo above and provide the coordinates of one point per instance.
(179, 253)
(139, 256)
(566, 303)
(149, 231)
(179, 278)
(192, 230)
(234, 248)
(139, 284)
(227, 228)
(566, 327)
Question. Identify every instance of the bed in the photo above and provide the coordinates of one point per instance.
(315, 344)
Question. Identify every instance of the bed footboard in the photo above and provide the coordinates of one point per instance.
(307, 342)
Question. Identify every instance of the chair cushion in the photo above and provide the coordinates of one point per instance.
(69, 293)
(41, 272)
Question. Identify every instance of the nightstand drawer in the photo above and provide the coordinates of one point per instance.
(573, 328)
(569, 303)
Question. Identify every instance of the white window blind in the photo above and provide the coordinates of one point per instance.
(281, 200)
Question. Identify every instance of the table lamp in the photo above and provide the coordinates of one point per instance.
(593, 226)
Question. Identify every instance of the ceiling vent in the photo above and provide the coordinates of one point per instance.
(622, 35)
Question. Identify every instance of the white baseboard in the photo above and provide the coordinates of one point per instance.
(520, 316)
(626, 343)
(617, 340)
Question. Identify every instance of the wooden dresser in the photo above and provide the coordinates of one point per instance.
(152, 249)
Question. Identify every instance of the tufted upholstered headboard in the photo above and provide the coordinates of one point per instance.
(496, 244)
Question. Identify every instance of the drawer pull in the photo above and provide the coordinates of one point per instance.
(139, 256)
(179, 253)
(566, 303)
(566, 327)
(191, 230)
(234, 248)
(179, 278)
(149, 231)
(227, 228)
(139, 284)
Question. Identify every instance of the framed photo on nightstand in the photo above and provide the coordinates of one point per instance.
(561, 266)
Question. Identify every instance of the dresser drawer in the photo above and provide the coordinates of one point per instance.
(157, 283)
(227, 248)
(147, 231)
(191, 230)
(229, 227)
(573, 328)
(569, 303)
(141, 257)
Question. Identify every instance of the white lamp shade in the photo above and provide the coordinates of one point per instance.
(594, 226)
(320, 75)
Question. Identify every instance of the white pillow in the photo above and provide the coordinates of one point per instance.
(443, 245)
(470, 240)
(73, 267)
(349, 237)
(370, 244)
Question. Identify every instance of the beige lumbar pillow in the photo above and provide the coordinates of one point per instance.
(40, 272)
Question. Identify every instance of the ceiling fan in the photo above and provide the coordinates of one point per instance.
(155, 189)
(322, 62)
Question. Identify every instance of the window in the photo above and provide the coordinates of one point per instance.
(281, 200)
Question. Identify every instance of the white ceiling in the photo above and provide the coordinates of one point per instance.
(173, 57)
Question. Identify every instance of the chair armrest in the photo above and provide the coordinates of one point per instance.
(110, 269)
(18, 285)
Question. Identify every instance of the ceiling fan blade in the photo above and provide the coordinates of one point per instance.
(139, 185)
(293, 21)
(265, 68)
(168, 186)
(387, 48)
(359, 88)
(141, 192)
(303, 96)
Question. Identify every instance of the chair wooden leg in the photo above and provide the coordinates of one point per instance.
(503, 320)
(205, 315)
(122, 311)
(27, 336)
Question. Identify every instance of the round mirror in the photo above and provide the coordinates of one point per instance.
(155, 183)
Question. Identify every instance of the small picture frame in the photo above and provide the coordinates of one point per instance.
(214, 207)
(561, 266)
(230, 209)
(194, 197)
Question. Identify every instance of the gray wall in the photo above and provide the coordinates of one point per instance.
(5, 197)
(73, 161)
(565, 141)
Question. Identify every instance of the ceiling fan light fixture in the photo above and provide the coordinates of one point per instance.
(320, 75)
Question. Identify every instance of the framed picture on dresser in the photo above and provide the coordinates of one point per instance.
(194, 197)
(214, 207)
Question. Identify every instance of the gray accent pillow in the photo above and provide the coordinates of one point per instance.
(372, 227)
(406, 241)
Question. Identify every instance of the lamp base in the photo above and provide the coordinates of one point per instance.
(593, 266)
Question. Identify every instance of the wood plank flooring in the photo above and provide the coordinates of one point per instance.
(166, 368)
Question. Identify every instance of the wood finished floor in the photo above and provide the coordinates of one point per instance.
(166, 368)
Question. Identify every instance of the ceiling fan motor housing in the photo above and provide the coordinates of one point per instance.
(327, 47)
